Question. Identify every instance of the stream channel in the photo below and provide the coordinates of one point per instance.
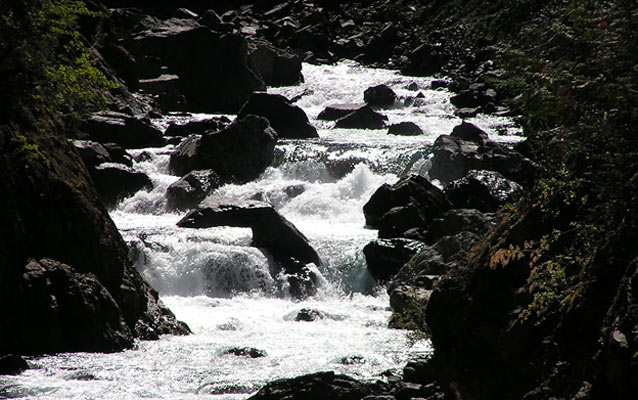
(222, 288)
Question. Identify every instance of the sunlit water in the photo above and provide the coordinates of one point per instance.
(226, 291)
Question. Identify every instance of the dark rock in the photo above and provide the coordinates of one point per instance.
(309, 315)
(413, 197)
(336, 111)
(419, 370)
(91, 153)
(118, 154)
(185, 13)
(405, 129)
(453, 157)
(213, 21)
(486, 191)
(165, 89)
(127, 131)
(456, 220)
(69, 311)
(191, 189)
(197, 127)
(426, 60)
(380, 95)
(148, 67)
(213, 69)
(362, 118)
(321, 385)
(271, 231)
(287, 120)
(12, 365)
(384, 257)
(240, 152)
(116, 181)
(468, 112)
(186, 158)
(465, 99)
(405, 297)
(245, 352)
(123, 63)
(276, 66)
(470, 132)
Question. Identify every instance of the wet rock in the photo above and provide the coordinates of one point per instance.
(240, 152)
(276, 66)
(309, 315)
(336, 111)
(245, 352)
(458, 220)
(12, 365)
(116, 181)
(362, 118)
(91, 153)
(470, 132)
(185, 157)
(187, 192)
(197, 127)
(486, 191)
(212, 68)
(127, 131)
(271, 231)
(321, 385)
(380, 95)
(412, 202)
(405, 129)
(118, 154)
(453, 157)
(289, 121)
(384, 257)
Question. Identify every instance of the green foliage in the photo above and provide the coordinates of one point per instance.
(29, 152)
(69, 82)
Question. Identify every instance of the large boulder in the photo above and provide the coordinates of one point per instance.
(185, 157)
(116, 181)
(271, 230)
(188, 191)
(380, 95)
(287, 120)
(405, 129)
(362, 118)
(276, 66)
(411, 203)
(454, 156)
(486, 191)
(11, 364)
(335, 111)
(240, 152)
(127, 131)
(384, 257)
(213, 69)
(91, 153)
(459, 220)
(58, 309)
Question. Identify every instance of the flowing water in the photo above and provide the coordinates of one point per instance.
(224, 289)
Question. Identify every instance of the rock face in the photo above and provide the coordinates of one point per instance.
(380, 95)
(238, 153)
(287, 120)
(213, 70)
(127, 131)
(411, 203)
(191, 189)
(277, 67)
(59, 240)
(455, 155)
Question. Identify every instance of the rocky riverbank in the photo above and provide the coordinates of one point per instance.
(542, 291)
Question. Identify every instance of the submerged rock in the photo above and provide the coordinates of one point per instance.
(245, 352)
(362, 118)
(309, 315)
(405, 129)
(335, 111)
(289, 121)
